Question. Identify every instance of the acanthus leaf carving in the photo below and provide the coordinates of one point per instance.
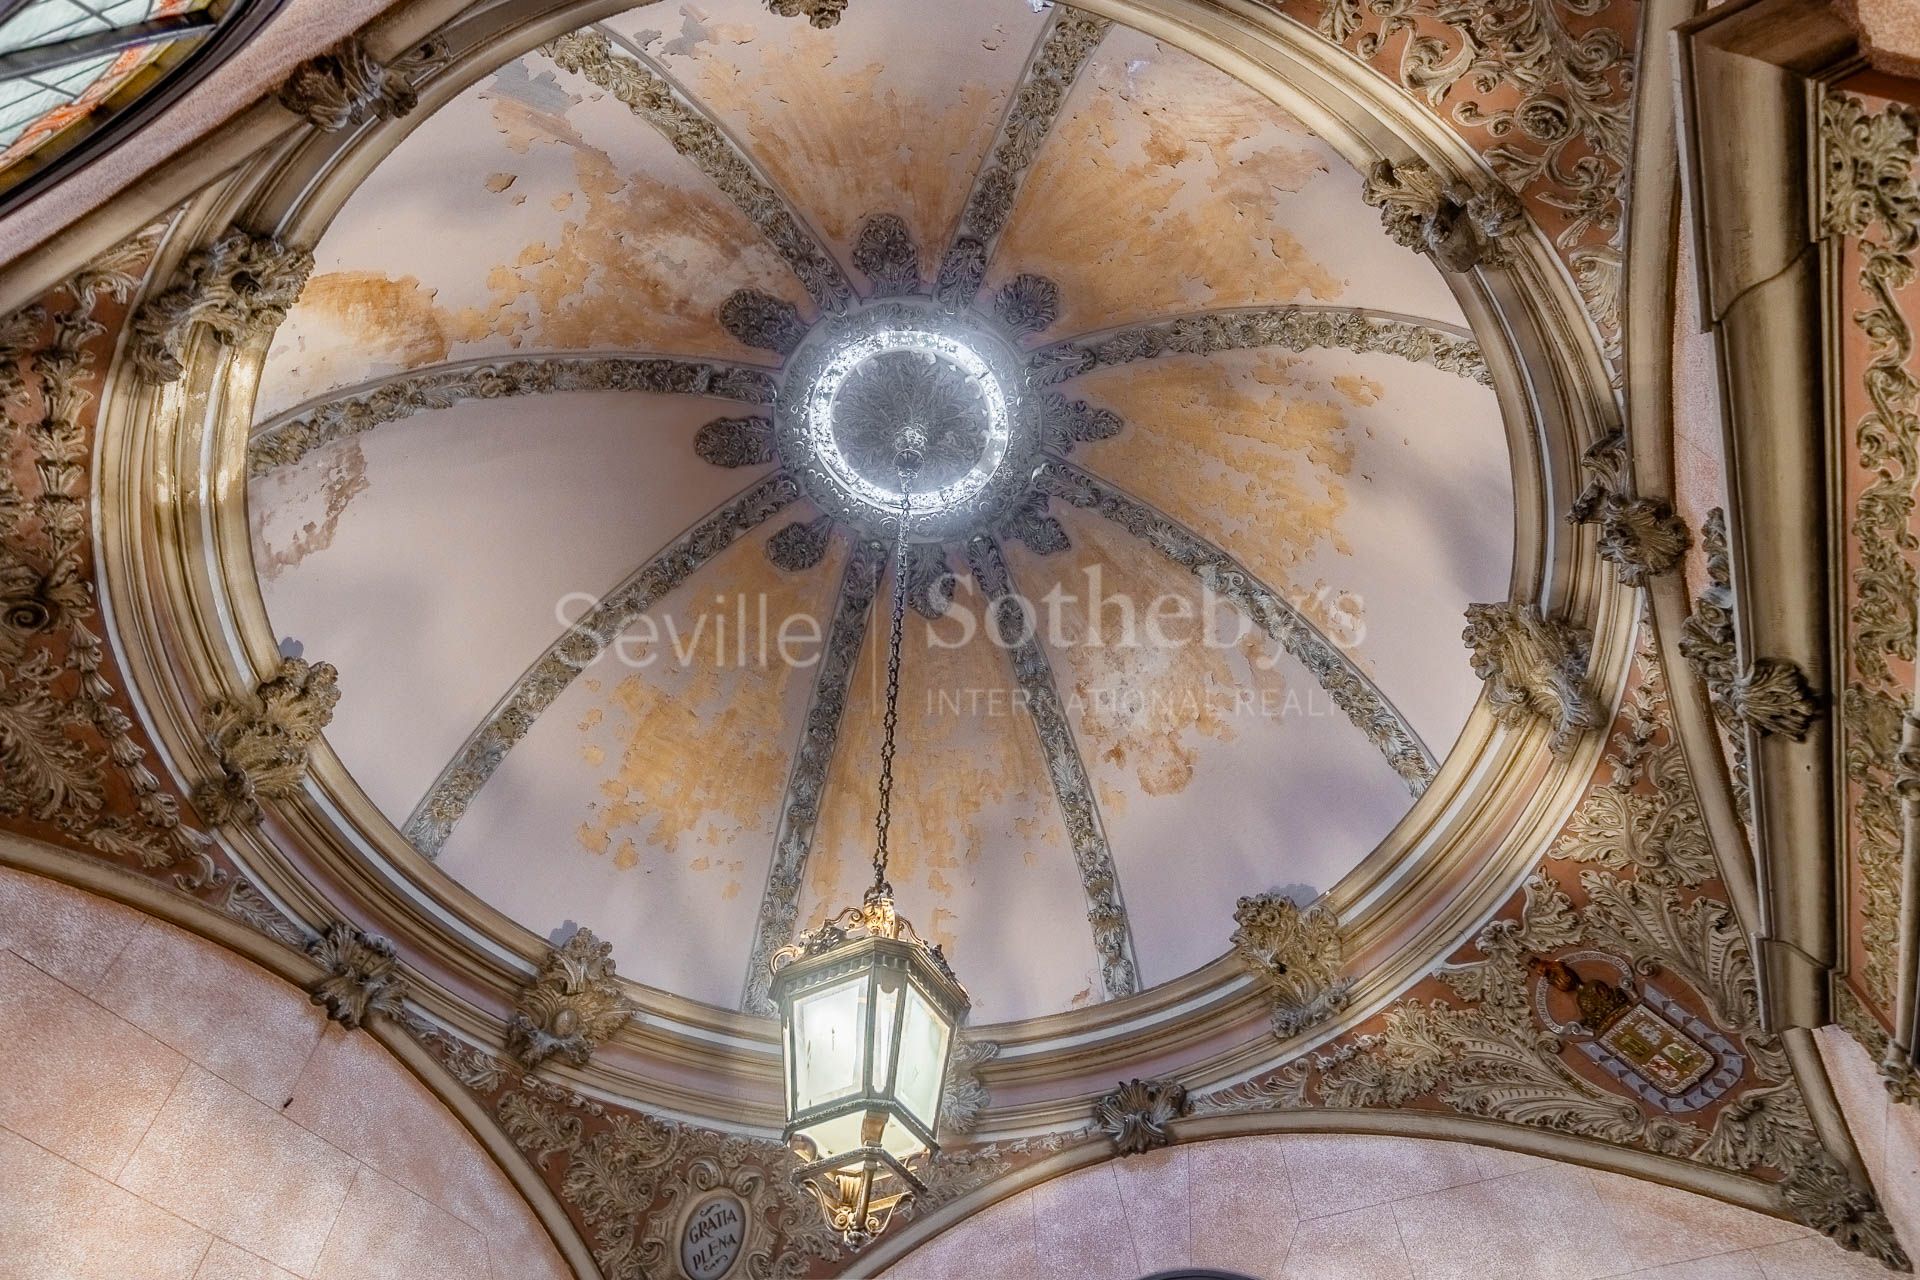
(572, 1005)
(239, 288)
(362, 975)
(1707, 644)
(1640, 537)
(818, 13)
(1535, 668)
(966, 1096)
(1772, 696)
(800, 545)
(884, 251)
(263, 738)
(1027, 303)
(758, 319)
(1459, 226)
(1136, 1115)
(1065, 423)
(1297, 953)
(930, 580)
(736, 442)
(346, 86)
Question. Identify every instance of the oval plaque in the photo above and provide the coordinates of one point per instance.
(713, 1236)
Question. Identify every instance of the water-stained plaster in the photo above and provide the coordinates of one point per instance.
(299, 513)
(531, 213)
(1167, 186)
(1214, 755)
(647, 796)
(889, 111)
(980, 859)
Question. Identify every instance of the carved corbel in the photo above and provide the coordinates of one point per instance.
(1136, 1115)
(1534, 668)
(240, 288)
(1641, 537)
(966, 1096)
(819, 13)
(263, 739)
(362, 975)
(1822, 1195)
(573, 1004)
(1459, 226)
(345, 86)
(1768, 695)
(1297, 954)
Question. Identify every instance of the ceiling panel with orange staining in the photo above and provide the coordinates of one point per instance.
(644, 801)
(1168, 187)
(980, 860)
(433, 560)
(889, 111)
(1374, 493)
(1220, 766)
(532, 213)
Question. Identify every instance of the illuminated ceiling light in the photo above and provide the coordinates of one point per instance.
(868, 1009)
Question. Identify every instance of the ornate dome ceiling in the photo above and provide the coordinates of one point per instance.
(531, 468)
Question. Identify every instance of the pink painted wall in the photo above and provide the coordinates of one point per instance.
(173, 1112)
(1344, 1207)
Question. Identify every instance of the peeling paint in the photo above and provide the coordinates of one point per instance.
(286, 528)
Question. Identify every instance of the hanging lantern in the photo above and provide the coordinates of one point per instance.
(869, 1011)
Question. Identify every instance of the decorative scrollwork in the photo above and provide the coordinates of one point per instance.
(1458, 226)
(1027, 303)
(1136, 1115)
(240, 288)
(884, 252)
(1297, 954)
(818, 13)
(801, 545)
(1534, 668)
(761, 320)
(573, 1004)
(263, 739)
(736, 442)
(345, 86)
(362, 975)
(1640, 537)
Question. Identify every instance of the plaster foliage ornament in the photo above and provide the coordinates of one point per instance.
(345, 86)
(1106, 913)
(635, 1183)
(1707, 644)
(262, 740)
(362, 976)
(1772, 696)
(736, 442)
(238, 289)
(1030, 524)
(967, 1095)
(1637, 1032)
(818, 13)
(1297, 954)
(1070, 40)
(1028, 303)
(1640, 537)
(757, 319)
(1535, 669)
(1136, 1115)
(572, 1005)
(801, 545)
(284, 440)
(886, 254)
(590, 53)
(1349, 688)
(1065, 423)
(1292, 328)
(1825, 1197)
(930, 580)
(1544, 88)
(1458, 226)
(807, 783)
(1870, 197)
(67, 751)
(441, 809)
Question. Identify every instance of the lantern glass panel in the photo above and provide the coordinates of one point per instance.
(924, 1037)
(829, 1043)
(886, 1026)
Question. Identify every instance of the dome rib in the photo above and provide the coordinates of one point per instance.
(575, 649)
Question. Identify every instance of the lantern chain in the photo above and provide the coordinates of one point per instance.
(910, 448)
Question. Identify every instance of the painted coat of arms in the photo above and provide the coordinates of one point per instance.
(1637, 1033)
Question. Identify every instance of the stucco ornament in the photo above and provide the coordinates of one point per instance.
(1136, 1115)
(240, 288)
(1640, 537)
(819, 13)
(966, 1096)
(263, 738)
(1767, 695)
(758, 319)
(362, 975)
(1772, 696)
(573, 1004)
(345, 86)
(1458, 226)
(1297, 954)
(1534, 668)
(886, 254)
